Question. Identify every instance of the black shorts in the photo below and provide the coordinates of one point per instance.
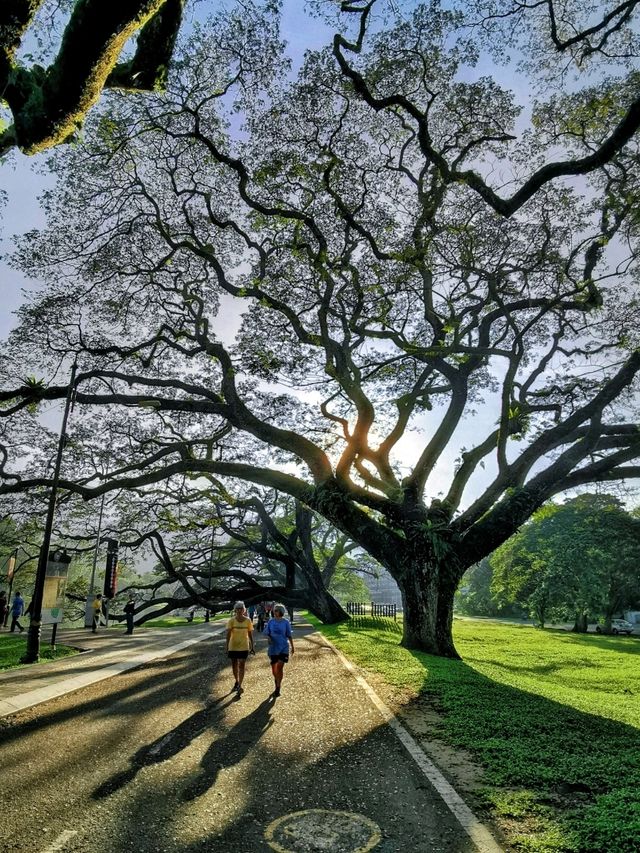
(238, 655)
(277, 658)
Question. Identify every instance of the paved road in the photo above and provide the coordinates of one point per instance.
(164, 758)
(104, 654)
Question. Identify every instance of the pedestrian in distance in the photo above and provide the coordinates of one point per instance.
(97, 612)
(129, 610)
(252, 612)
(17, 609)
(278, 632)
(4, 608)
(239, 643)
(262, 616)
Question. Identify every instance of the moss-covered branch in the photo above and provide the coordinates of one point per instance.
(48, 105)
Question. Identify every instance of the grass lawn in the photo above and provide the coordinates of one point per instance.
(180, 621)
(553, 718)
(12, 647)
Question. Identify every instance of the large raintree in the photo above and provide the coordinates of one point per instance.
(403, 256)
(254, 548)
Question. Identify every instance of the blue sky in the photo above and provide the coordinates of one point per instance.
(23, 179)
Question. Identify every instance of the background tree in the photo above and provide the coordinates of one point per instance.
(348, 585)
(475, 597)
(386, 286)
(212, 548)
(301, 553)
(524, 573)
(577, 559)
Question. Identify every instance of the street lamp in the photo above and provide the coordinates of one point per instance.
(11, 570)
(207, 612)
(32, 653)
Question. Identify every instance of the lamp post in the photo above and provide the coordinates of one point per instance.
(11, 570)
(32, 653)
(207, 612)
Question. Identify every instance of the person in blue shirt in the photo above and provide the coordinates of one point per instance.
(278, 633)
(17, 609)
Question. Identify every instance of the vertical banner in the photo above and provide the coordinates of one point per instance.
(55, 585)
(111, 570)
(11, 567)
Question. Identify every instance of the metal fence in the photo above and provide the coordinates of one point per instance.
(388, 610)
(358, 608)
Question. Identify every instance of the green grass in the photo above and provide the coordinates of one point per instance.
(12, 647)
(598, 675)
(180, 621)
(553, 718)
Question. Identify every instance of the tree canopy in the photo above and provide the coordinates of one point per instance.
(574, 560)
(279, 280)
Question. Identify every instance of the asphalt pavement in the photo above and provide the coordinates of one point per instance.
(165, 757)
(102, 655)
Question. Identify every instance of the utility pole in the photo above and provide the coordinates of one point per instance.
(32, 653)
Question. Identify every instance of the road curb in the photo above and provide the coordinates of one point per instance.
(481, 837)
(69, 685)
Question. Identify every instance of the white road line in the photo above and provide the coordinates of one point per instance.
(477, 831)
(60, 841)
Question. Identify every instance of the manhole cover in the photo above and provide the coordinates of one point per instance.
(322, 831)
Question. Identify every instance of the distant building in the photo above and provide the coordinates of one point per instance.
(383, 589)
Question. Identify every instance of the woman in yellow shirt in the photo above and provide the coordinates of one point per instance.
(239, 642)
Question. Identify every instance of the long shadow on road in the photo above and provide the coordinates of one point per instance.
(240, 740)
(244, 764)
(167, 746)
(152, 692)
(320, 753)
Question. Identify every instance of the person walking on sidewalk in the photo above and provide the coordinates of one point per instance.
(97, 612)
(280, 638)
(17, 609)
(129, 610)
(4, 607)
(239, 642)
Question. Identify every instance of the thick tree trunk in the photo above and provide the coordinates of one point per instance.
(321, 603)
(580, 625)
(327, 609)
(427, 600)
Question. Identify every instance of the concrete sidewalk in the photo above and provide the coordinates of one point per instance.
(103, 655)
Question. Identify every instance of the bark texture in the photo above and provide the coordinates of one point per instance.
(427, 601)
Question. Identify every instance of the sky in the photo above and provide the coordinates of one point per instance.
(23, 179)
